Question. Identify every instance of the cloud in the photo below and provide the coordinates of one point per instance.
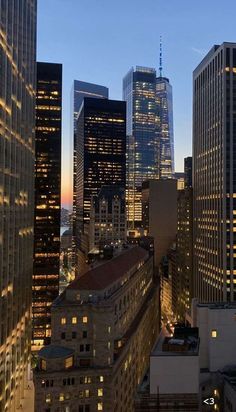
(199, 51)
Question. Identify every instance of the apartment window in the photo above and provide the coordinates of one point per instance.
(81, 348)
(85, 334)
(61, 397)
(87, 348)
(100, 406)
(69, 362)
(43, 365)
(101, 378)
(109, 329)
(87, 393)
(100, 392)
(109, 345)
(214, 333)
(74, 320)
(87, 408)
(81, 394)
(63, 335)
(48, 398)
(73, 335)
(85, 319)
(63, 321)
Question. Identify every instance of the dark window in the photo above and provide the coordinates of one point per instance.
(73, 335)
(81, 408)
(87, 408)
(81, 348)
(63, 335)
(64, 382)
(87, 348)
(85, 334)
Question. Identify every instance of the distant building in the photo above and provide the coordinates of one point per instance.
(47, 199)
(139, 91)
(81, 90)
(180, 177)
(188, 171)
(104, 326)
(159, 205)
(101, 160)
(214, 175)
(107, 218)
(165, 128)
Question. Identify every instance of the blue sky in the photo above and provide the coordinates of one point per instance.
(99, 40)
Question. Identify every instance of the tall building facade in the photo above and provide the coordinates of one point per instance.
(101, 157)
(17, 117)
(104, 326)
(79, 91)
(214, 175)
(150, 137)
(107, 218)
(139, 91)
(188, 171)
(165, 130)
(47, 198)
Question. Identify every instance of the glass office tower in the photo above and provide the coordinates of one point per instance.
(139, 91)
(17, 118)
(101, 156)
(79, 91)
(214, 175)
(47, 198)
(165, 128)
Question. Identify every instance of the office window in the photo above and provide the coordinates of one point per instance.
(61, 397)
(69, 362)
(48, 398)
(63, 321)
(85, 319)
(74, 320)
(100, 392)
(214, 333)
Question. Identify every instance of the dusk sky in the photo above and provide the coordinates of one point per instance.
(99, 40)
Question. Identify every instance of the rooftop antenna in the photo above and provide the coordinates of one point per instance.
(160, 61)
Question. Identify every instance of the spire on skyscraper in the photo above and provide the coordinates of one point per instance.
(160, 56)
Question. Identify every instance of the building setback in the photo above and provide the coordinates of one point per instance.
(17, 116)
(214, 175)
(101, 159)
(47, 198)
(104, 326)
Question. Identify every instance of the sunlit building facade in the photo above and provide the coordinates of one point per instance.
(17, 118)
(139, 91)
(165, 128)
(101, 157)
(47, 198)
(214, 175)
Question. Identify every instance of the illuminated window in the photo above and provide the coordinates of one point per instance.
(48, 398)
(100, 392)
(61, 397)
(87, 393)
(85, 319)
(63, 321)
(43, 365)
(100, 406)
(101, 378)
(69, 362)
(214, 333)
(74, 320)
(109, 329)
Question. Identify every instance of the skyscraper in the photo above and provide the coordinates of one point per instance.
(150, 137)
(47, 198)
(165, 128)
(79, 91)
(17, 116)
(139, 91)
(101, 151)
(188, 171)
(214, 175)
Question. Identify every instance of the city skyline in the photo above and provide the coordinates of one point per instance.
(87, 38)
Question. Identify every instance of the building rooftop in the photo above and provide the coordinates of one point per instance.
(218, 305)
(110, 271)
(53, 352)
(186, 344)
